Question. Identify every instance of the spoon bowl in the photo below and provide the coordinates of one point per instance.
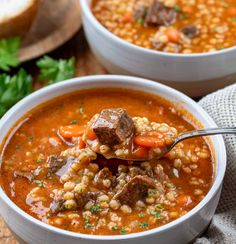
(181, 137)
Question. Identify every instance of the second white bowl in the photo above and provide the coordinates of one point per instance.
(193, 74)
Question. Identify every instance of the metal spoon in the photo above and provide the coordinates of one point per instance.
(187, 135)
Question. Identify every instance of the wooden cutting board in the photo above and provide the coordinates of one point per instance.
(56, 22)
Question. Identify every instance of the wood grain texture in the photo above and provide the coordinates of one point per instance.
(86, 64)
(56, 22)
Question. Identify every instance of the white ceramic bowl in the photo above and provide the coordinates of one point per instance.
(194, 74)
(179, 231)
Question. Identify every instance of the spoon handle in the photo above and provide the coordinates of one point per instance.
(205, 132)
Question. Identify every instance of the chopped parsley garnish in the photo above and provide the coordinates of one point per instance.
(177, 8)
(95, 208)
(140, 21)
(143, 225)
(39, 183)
(141, 215)
(152, 192)
(88, 225)
(39, 160)
(86, 222)
(234, 19)
(123, 231)
(156, 214)
(160, 206)
(115, 228)
(74, 122)
(17, 146)
(86, 218)
(81, 109)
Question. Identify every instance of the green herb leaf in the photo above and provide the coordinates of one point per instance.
(9, 49)
(13, 89)
(39, 183)
(160, 206)
(140, 21)
(74, 122)
(141, 215)
(123, 230)
(143, 225)
(81, 109)
(177, 8)
(115, 228)
(88, 225)
(95, 208)
(53, 71)
(156, 214)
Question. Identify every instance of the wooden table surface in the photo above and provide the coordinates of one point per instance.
(86, 64)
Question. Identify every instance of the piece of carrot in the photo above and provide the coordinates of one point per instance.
(127, 17)
(183, 200)
(149, 141)
(173, 35)
(140, 152)
(69, 131)
(91, 134)
(231, 11)
(54, 141)
(188, 9)
(81, 143)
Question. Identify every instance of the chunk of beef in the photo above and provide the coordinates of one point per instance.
(28, 175)
(55, 163)
(57, 204)
(159, 15)
(65, 168)
(135, 190)
(104, 174)
(190, 31)
(113, 126)
(83, 199)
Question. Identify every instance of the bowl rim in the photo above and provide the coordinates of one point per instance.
(91, 80)
(109, 35)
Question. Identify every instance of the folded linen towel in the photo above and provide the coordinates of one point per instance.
(221, 106)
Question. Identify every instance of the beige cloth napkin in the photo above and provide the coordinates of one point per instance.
(221, 106)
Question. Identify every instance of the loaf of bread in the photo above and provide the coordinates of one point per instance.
(16, 16)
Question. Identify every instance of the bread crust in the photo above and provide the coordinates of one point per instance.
(18, 25)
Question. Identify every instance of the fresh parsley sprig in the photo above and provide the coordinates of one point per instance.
(53, 71)
(9, 49)
(13, 89)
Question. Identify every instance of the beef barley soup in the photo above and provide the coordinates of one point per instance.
(53, 167)
(176, 26)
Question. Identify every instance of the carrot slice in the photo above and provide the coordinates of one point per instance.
(149, 141)
(140, 152)
(183, 200)
(91, 134)
(69, 131)
(81, 143)
(173, 35)
(188, 9)
(127, 17)
(231, 11)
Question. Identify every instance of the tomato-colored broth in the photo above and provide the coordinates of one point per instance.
(189, 167)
